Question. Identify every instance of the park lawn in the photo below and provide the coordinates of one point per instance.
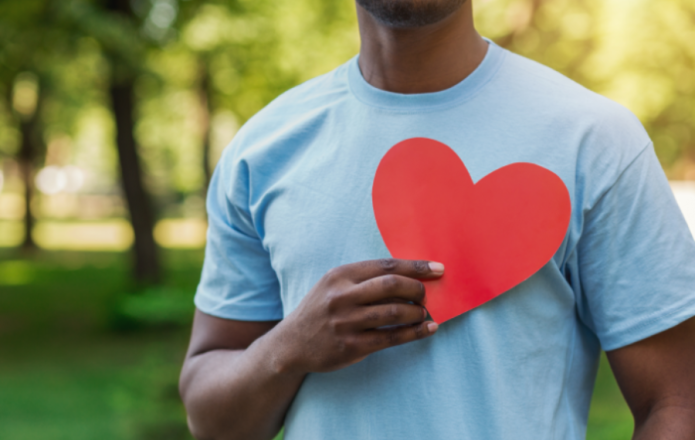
(72, 368)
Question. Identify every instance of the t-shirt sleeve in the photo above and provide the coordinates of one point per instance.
(237, 281)
(636, 258)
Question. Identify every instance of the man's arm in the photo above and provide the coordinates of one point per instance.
(219, 355)
(239, 378)
(657, 378)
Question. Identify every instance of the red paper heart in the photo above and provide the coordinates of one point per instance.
(491, 236)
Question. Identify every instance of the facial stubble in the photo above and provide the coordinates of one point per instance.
(410, 13)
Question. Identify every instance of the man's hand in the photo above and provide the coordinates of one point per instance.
(239, 377)
(355, 310)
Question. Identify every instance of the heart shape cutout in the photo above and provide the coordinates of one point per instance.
(491, 235)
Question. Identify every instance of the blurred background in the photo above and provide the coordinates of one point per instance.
(113, 114)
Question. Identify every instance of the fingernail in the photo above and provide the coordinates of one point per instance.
(436, 267)
(424, 313)
(432, 327)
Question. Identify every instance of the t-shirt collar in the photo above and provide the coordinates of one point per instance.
(462, 91)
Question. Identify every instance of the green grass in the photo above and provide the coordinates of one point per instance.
(609, 416)
(78, 362)
(70, 368)
(110, 387)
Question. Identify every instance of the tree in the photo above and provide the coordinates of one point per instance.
(639, 54)
(23, 67)
(116, 26)
(28, 109)
(250, 52)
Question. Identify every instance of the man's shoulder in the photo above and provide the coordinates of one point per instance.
(316, 92)
(568, 109)
(540, 85)
(304, 104)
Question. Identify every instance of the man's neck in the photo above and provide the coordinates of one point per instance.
(420, 60)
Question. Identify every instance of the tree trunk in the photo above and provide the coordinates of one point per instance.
(27, 160)
(206, 109)
(122, 102)
(146, 257)
(27, 155)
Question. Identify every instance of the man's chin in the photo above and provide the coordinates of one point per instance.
(410, 13)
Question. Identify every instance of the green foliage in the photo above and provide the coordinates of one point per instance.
(637, 53)
(63, 366)
(65, 375)
(609, 417)
(250, 50)
(82, 388)
(156, 306)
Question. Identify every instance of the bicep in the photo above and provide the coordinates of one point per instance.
(212, 333)
(657, 371)
(225, 391)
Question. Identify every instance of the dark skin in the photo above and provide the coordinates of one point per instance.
(239, 378)
(657, 378)
(423, 59)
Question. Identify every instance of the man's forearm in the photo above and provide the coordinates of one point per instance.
(672, 422)
(351, 312)
(237, 394)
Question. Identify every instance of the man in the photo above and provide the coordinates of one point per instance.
(304, 321)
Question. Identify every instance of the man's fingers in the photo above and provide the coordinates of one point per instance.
(419, 269)
(372, 317)
(375, 340)
(389, 287)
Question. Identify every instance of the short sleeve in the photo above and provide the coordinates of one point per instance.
(237, 281)
(636, 258)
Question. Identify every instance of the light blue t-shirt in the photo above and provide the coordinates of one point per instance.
(291, 199)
